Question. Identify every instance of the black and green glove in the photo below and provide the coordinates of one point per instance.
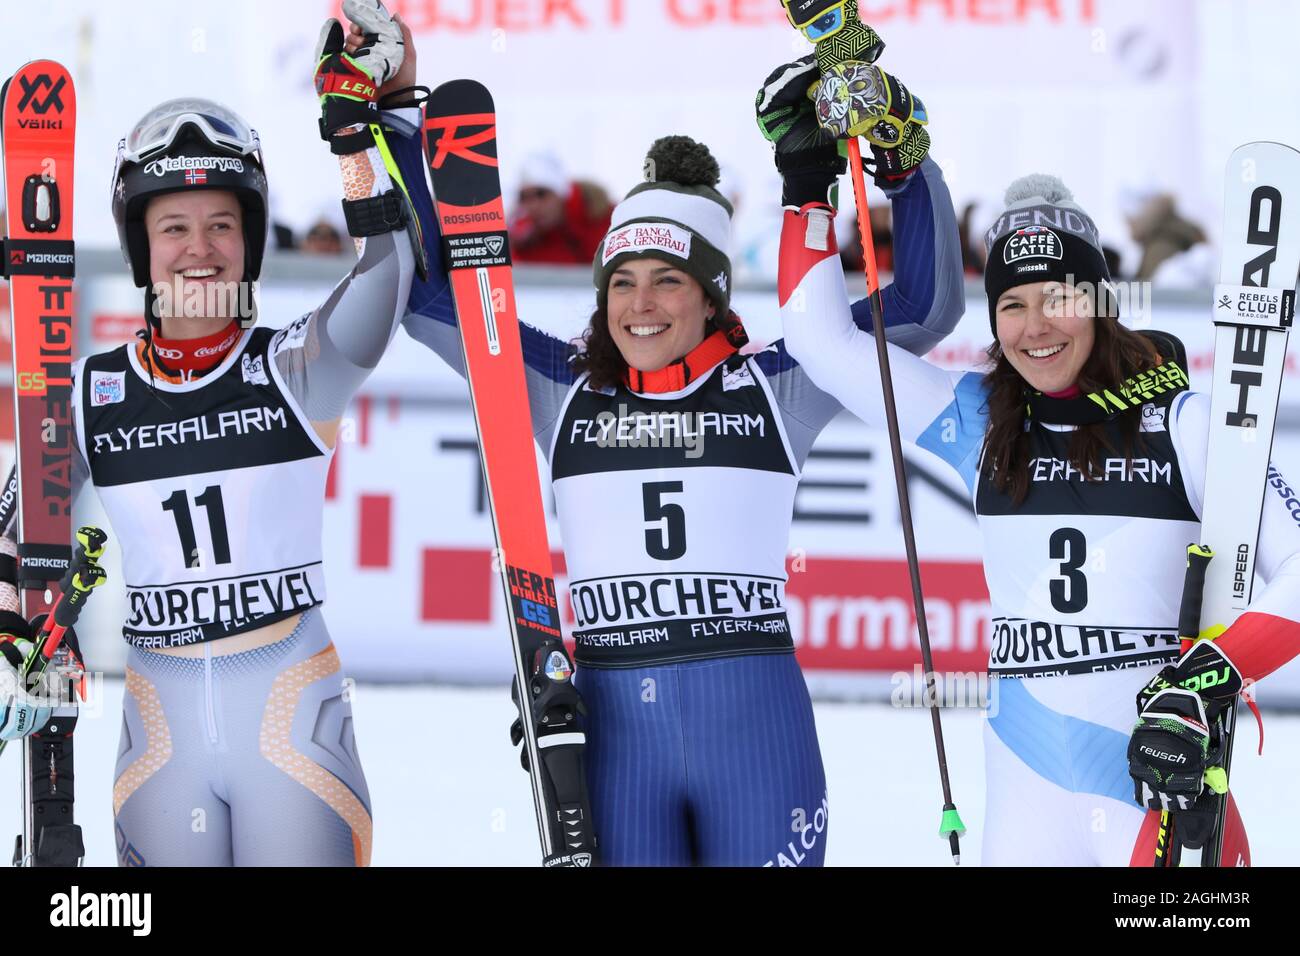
(1175, 752)
(808, 158)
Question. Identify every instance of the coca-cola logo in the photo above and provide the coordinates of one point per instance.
(222, 346)
(178, 164)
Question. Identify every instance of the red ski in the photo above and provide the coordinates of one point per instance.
(40, 117)
(460, 127)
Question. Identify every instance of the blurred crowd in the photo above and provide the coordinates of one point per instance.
(1172, 251)
(557, 218)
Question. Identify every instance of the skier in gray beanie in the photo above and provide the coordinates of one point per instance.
(1044, 236)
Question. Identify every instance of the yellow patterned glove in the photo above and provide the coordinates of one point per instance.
(859, 99)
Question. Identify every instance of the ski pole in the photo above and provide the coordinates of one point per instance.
(850, 39)
(1168, 849)
(84, 574)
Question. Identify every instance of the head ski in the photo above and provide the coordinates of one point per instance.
(1252, 312)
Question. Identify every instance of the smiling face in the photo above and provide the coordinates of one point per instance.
(1046, 332)
(199, 237)
(656, 313)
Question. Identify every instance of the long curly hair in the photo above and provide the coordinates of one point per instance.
(1117, 354)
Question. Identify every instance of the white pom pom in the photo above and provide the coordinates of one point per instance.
(1038, 186)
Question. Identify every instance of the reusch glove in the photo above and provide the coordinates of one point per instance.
(807, 158)
(1176, 750)
(859, 99)
(20, 713)
(1170, 757)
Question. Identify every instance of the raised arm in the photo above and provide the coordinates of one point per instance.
(941, 411)
(326, 355)
(825, 341)
(927, 297)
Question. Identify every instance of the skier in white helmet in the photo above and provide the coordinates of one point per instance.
(209, 440)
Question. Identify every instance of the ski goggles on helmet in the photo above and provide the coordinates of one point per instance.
(161, 127)
(817, 19)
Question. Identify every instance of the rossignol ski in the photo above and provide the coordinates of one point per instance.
(1253, 311)
(460, 128)
(40, 116)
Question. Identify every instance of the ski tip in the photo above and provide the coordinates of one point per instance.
(458, 97)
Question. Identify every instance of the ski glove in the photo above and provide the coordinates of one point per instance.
(859, 99)
(1175, 751)
(348, 84)
(20, 713)
(808, 159)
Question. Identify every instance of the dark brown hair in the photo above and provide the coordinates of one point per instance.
(601, 357)
(1117, 354)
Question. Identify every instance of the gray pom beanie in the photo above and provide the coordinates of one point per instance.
(1043, 235)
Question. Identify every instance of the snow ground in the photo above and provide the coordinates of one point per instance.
(447, 790)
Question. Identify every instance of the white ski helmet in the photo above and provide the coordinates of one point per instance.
(188, 144)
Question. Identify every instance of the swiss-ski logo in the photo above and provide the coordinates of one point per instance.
(53, 99)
